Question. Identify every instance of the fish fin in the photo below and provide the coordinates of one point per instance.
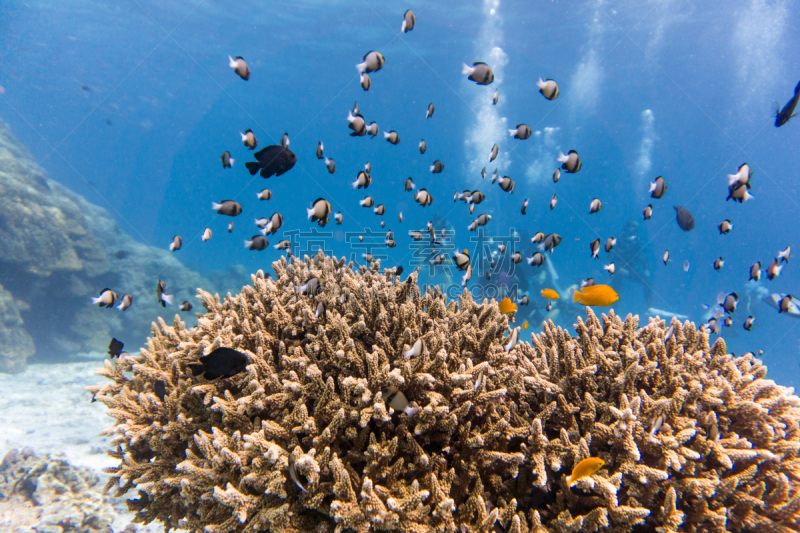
(197, 369)
(252, 167)
(512, 132)
(578, 296)
(231, 62)
(167, 298)
(231, 161)
(361, 67)
(466, 69)
(248, 244)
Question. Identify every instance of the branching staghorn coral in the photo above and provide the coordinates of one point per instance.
(693, 439)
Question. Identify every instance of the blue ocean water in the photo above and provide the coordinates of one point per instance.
(131, 104)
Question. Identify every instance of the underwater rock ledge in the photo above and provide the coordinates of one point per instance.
(693, 438)
(58, 250)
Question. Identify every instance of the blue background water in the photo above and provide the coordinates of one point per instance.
(162, 104)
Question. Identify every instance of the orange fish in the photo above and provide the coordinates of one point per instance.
(585, 468)
(550, 294)
(507, 306)
(525, 325)
(597, 295)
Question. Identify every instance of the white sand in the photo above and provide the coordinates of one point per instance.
(47, 408)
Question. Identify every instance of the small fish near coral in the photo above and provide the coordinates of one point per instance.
(585, 468)
(222, 362)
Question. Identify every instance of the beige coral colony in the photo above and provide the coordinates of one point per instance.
(305, 440)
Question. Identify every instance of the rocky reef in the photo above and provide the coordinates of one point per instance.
(58, 250)
(307, 439)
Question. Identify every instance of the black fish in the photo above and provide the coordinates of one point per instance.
(114, 348)
(783, 116)
(222, 362)
(160, 389)
(399, 271)
(684, 218)
(272, 161)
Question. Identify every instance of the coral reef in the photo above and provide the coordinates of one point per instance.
(48, 495)
(58, 250)
(693, 439)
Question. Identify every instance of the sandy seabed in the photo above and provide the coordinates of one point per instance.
(47, 409)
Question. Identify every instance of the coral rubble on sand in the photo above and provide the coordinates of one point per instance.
(48, 495)
(693, 438)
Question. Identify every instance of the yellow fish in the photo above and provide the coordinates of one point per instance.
(507, 306)
(525, 325)
(550, 294)
(598, 295)
(585, 468)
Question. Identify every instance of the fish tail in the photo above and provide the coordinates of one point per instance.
(466, 69)
(215, 206)
(252, 167)
(578, 296)
(96, 300)
(248, 244)
(361, 67)
(167, 298)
